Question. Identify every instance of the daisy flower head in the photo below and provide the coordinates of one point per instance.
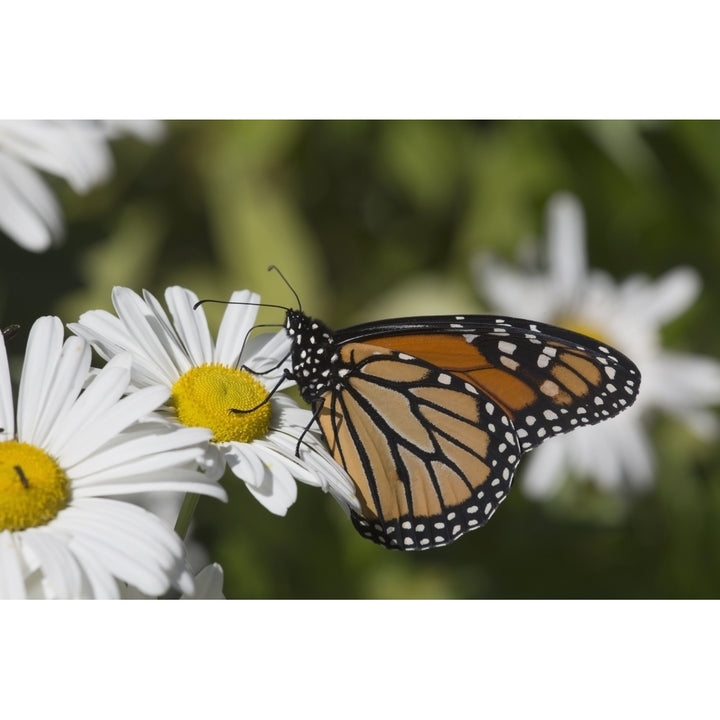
(626, 315)
(75, 150)
(77, 444)
(210, 381)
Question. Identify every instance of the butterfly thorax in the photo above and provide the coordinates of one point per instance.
(315, 356)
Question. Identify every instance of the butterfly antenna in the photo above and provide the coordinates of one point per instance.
(237, 302)
(284, 378)
(285, 280)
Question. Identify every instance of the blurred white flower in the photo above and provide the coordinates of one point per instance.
(75, 445)
(208, 380)
(208, 586)
(76, 150)
(627, 315)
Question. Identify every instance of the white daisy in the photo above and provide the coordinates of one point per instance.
(627, 315)
(76, 151)
(208, 380)
(75, 443)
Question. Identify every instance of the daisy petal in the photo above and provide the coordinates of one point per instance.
(101, 584)
(31, 215)
(235, 326)
(162, 352)
(12, 584)
(263, 351)
(62, 575)
(191, 324)
(244, 463)
(70, 375)
(101, 395)
(566, 248)
(43, 350)
(175, 480)
(132, 543)
(151, 441)
(277, 490)
(208, 584)
(92, 435)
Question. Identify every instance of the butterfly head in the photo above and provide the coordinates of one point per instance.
(314, 354)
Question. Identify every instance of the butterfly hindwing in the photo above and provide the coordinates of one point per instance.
(430, 455)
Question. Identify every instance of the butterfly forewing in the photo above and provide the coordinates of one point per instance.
(547, 379)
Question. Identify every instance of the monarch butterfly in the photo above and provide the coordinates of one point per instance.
(430, 415)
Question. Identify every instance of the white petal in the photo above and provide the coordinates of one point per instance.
(208, 584)
(278, 489)
(30, 213)
(566, 246)
(12, 584)
(237, 321)
(62, 575)
(173, 480)
(663, 300)
(268, 353)
(243, 462)
(101, 583)
(162, 351)
(70, 375)
(543, 472)
(74, 150)
(149, 131)
(92, 434)
(133, 465)
(105, 330)
(684, 380)
(511, 292)
(191, 325)
(133, 544)
(90, 408)
(43, 350)
(150, 441)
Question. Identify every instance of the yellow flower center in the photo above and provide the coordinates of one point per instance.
(33, 487)
(207, 395)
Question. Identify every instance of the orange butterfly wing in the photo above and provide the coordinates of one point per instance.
(429, 416)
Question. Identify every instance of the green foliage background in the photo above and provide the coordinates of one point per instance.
(370, 219)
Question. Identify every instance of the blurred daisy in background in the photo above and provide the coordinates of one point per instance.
(77, 445)
(75, 150)
(627, 315)
(207, 380)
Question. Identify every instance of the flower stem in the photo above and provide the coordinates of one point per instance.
(185, 515)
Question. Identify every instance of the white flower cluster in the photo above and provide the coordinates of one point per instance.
(83, 438)
(89, 452)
